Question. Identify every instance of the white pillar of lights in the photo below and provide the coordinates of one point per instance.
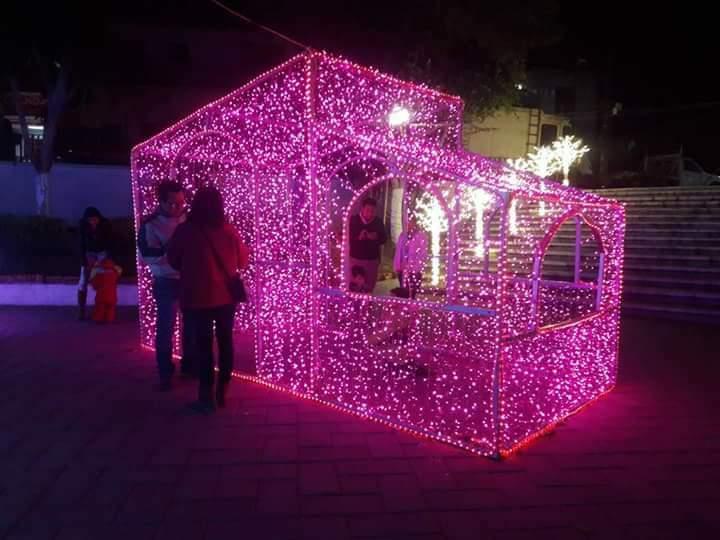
(431, 217)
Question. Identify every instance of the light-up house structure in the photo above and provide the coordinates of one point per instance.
(517, 325)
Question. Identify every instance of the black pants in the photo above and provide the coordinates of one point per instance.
(202, 321)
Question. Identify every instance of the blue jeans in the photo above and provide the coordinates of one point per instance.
(166, 292)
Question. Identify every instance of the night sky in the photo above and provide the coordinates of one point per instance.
(658, 62)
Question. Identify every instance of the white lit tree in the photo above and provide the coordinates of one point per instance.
(474, 203)
(543, 162)
(568, 150)
(431, 217)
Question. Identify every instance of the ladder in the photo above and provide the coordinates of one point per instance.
(533, 132)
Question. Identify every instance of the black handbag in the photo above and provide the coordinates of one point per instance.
(234, 282)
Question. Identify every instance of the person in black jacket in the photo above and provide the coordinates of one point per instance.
(95, 245)
(367, 235)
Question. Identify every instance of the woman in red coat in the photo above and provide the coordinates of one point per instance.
(206, 250)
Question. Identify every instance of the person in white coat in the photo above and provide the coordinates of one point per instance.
(411, 254)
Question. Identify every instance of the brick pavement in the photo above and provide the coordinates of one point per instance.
(87, 451)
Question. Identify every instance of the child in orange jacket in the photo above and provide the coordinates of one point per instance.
(104, 279)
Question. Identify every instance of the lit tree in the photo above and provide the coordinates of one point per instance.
(431, 217)
(567, 151)
(543, 162)
(512, 177)
(476, 201)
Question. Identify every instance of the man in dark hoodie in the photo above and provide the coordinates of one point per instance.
(367, 235)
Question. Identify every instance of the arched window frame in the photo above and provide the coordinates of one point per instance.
(578, 215)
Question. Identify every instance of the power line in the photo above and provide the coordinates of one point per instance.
(261, 26)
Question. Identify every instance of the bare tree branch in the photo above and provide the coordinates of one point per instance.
(22, 119)
(57, 99)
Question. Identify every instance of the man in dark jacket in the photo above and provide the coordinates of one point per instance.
(367, 235)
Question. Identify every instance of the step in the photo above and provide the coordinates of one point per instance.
(710, 202)
(675, 232)
(682, 283)
(643, 270)
(713, 219)
(704, 211)
(689, 313)
(658, 190)
(671, 296)
(629, 200)
(705, 227)
(697, 191)
(680, 203)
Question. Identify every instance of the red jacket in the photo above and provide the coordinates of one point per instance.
(104, 279)
(203, 284)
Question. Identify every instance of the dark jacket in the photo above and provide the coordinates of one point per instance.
(366, 248)
(95, 240)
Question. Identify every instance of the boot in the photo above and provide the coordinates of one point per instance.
(82, 302)
(220, 393)
(204, 403)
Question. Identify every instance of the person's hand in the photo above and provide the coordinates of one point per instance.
(362, 234)
(372, 235)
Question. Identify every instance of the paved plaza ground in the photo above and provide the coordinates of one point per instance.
(88, 451)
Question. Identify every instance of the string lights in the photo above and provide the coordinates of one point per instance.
(433, 219)
(489, 356)
(568, 150)
(475, 201)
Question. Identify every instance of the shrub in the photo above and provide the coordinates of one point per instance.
(51, 247)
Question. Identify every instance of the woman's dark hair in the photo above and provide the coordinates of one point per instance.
(369, 201)
(91, 211)
(207, 208)
(103, 234)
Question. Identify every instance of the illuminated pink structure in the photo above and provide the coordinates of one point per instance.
(507, 336)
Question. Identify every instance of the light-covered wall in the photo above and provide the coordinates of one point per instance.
(72, 188)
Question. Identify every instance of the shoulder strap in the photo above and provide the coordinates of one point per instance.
(216, 255)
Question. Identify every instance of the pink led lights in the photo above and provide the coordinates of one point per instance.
(507, 340)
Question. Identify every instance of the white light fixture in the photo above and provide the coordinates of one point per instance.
(399, 116)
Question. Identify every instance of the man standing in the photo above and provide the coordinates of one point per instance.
(367, 234)
(153, 238)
